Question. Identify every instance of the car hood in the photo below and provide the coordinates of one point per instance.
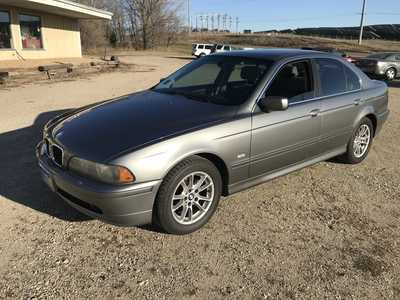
(105, 131)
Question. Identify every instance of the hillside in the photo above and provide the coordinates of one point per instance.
(290, 41)
(381, 31)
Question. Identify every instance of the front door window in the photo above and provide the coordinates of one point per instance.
(294, 82)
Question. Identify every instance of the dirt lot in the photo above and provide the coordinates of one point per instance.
(328, 231)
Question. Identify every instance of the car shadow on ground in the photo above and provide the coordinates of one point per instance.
(20, 179)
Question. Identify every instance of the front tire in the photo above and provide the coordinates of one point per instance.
(390, 74)
(188, 196)
(360, 142)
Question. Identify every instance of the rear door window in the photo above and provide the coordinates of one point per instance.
(353, 81)
(200, 47)
(209, 47)
(332, 76)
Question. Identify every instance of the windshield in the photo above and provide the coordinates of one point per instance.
(223, 80)
(379, 55)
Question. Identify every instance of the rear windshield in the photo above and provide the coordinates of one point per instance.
(217, 79)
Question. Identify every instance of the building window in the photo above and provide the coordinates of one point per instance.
(31, 31)
(5, 33)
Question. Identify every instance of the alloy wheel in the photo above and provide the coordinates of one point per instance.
(362, 141)
(192, 198)
(391, 74)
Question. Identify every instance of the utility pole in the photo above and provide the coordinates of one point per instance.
(362, 22)
(224, 17)
(188, 15)
(202, 22)
(237, 25)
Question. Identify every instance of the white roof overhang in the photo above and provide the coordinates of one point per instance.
(60, 7)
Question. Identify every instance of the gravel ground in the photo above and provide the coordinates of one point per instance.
(328, 231)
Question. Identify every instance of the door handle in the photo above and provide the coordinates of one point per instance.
(314, 113)
(357, 102)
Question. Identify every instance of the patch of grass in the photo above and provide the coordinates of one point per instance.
(368, 264)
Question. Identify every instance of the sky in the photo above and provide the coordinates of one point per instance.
(260, 15)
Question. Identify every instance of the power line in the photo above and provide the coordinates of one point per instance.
(383, 14)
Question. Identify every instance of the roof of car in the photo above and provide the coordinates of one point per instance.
(271, 54)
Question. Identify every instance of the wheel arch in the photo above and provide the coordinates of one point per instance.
(374, 121)
(367, 112)
(216, 160)
(221, 166)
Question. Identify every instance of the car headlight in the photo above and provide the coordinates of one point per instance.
(105, 173)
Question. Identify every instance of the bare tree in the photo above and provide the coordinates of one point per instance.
(152, 22)
(142, 24)
(94, 33)
(172, 23)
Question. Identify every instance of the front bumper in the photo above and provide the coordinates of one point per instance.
(121, 205)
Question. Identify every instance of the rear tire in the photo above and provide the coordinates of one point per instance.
(360, 142)
(188, 196)
(390, 74)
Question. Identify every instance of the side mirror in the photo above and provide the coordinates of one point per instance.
(273, 103)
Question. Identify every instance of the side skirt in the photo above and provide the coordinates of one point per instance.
(240, 186)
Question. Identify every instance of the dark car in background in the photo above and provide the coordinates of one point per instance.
(380, 65)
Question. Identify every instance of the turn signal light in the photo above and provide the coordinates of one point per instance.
(125, 176)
